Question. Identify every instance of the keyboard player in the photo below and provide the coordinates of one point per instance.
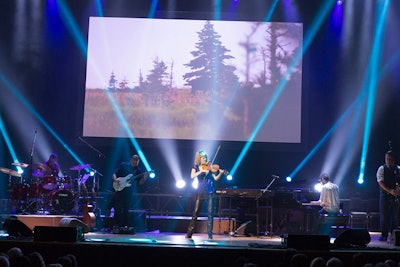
(329, 196)
(328, 202)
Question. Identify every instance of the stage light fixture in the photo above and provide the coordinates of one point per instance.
(152, 175)
(339, 2)
(229, 177)
(195, 183)
(180, 184)
(318, 187)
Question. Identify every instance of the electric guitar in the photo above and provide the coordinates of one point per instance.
(123, 182)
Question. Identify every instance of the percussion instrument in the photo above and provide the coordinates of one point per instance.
(40, 170)
(20, 192)
(65, 182)
(62, 201)
(80, 167)
(35, 190)
(49, 182)
(20, 164)
(10, 172)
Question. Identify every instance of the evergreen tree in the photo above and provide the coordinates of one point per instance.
(209, 69)
(112, 82)
(157, 76)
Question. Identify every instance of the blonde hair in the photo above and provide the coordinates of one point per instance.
(199, 155)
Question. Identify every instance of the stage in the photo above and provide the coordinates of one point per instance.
(158, 248)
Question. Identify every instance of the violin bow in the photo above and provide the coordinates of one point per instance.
(215, 155)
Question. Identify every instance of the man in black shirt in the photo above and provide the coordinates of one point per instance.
(125, 180)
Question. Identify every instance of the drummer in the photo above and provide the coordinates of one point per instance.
(47, 172)
(53, 165)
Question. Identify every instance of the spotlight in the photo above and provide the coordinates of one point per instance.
(180, 184)
(152, 175)
(288, 179)
(318, 187)
(339, 2)
(229, 177)
(195, 183)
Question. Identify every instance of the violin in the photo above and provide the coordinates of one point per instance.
(214, 168)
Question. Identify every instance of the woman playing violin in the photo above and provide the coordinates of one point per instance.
(206, 176)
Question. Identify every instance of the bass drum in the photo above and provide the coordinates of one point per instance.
(20, 192)
(62, 201)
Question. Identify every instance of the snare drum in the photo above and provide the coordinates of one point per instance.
(49, 182)
(20, 192)
(62, 201)
(65, 182)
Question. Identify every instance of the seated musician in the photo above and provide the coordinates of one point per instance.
(52, 163)
(329, 196)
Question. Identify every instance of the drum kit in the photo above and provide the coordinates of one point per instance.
(46, 193)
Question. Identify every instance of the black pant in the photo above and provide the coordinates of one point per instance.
(121, 201)
(210, 214)
(389, 209)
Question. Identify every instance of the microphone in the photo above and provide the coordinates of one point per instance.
(275, 176)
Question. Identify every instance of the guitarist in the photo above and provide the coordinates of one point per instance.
(121, 199)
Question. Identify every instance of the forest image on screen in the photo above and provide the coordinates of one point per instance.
(193, 80)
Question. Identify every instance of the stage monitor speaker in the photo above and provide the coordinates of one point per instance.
(308, 242)
(73, 222)
(16, 228)
(245, 229)
(353, 237)
(57, 233)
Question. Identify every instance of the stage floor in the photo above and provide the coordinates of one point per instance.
(157, 238)
(157, 248)
(164, 248)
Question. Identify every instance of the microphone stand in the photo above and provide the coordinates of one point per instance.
(30, 174)
(269, 185)
(99, 154)
(95, 189)
(31, 155)
(95, 180)
(274, 177)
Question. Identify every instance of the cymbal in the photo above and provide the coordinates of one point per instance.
(80, 167)
(41, 169)
(20, 164)
(10, 172)
(38, 173)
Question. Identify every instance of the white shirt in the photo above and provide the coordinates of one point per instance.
(329, 197)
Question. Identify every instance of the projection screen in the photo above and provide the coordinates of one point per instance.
(193, 80)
